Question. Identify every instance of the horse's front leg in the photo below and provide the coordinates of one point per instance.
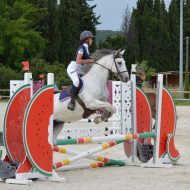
(108, 110)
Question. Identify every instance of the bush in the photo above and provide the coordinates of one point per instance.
(7, 74)
(39, 66)
(61, 77)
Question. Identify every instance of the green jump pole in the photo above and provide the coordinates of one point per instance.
(91, 140)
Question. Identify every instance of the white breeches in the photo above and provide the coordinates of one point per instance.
(73, 74)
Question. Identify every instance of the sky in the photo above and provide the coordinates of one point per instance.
(112, 11)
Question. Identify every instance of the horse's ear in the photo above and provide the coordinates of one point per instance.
(117, 53)
(122, 52)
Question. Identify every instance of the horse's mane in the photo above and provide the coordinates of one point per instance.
(99, 53)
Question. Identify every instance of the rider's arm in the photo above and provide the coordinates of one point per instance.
(79, 59)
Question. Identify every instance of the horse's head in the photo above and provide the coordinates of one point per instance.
(119, 67)
(112, 62)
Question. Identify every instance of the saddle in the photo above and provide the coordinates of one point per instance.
(65, 94)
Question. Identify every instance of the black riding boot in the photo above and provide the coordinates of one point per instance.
(74, 93)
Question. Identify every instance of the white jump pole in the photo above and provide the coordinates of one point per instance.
(133, 116)
(28, 80)
(50, 81)
(158, 118)
(50, 78)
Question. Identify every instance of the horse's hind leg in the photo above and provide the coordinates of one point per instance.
(57, 127)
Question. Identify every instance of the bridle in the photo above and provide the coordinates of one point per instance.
(118, 73)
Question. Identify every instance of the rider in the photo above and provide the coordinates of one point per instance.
(80, 65)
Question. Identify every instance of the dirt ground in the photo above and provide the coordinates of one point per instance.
(128, 177)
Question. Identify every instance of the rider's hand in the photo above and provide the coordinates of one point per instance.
(91, 61)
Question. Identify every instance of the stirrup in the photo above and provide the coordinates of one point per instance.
(71, 106)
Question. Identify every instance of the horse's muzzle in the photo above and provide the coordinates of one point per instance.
(124, 77)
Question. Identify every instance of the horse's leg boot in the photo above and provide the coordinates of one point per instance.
(74, 93)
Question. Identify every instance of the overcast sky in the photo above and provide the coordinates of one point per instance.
(111, 12)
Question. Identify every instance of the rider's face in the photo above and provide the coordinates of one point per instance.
(90, 41)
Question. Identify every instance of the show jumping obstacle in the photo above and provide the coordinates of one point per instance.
(28, 133)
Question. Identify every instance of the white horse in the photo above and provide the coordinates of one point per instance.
(95, 93)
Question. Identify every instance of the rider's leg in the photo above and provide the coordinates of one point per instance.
(74, 93)
(74, 90)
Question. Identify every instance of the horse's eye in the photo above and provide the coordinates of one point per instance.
(119, 62)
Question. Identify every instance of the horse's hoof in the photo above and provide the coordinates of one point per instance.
(97, 120)
(105, 119)
(71, 106)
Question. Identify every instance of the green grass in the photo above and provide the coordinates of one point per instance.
(182, 102)
(4, 100)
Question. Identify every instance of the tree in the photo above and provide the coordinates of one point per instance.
(69, 26)
(162, 37)
(148, 35)
(54, 34)
(187, 18)
(19, 39)
(174, 33)
(133, 48)
(7, 74)
(145, 23)
(74, 17)
(126, 22)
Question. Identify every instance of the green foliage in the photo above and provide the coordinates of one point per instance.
(148, 35)
(54, 34)
(39, 66)
(19, 38)
(42, 31)
(61, 77)
(174, 33)
(73, 17)
(69, 27)
(186, 83)
(7, 74)
(182, 103)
